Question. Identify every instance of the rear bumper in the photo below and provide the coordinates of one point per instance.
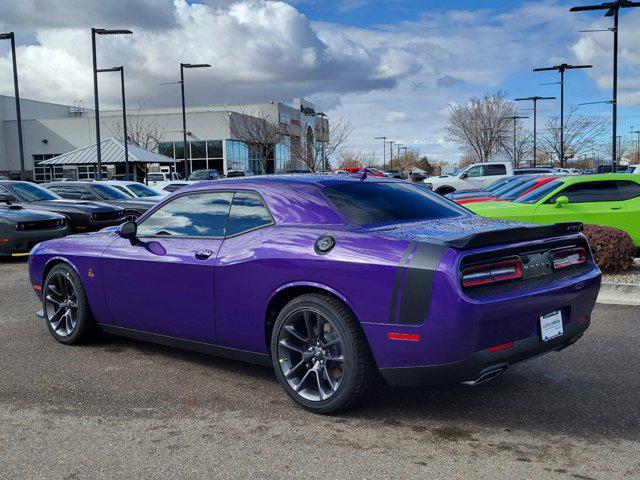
(483, 362)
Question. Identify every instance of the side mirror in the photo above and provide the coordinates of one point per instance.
(560, 201)
(463, 175)
(129, 230)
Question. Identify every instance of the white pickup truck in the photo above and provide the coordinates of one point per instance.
(477, 175)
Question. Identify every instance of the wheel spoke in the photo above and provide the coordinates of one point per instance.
(285, 343)
(332, 343)
(338, 358)
(307, 322)
(320, 323)
(332, 385)
(57, 318)
(53, 300)
(289, 373)
(298, 386)
(291, 330)
(319, 383)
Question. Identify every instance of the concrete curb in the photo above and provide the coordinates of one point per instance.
(619, 293)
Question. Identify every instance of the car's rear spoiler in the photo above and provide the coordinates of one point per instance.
(514, 235)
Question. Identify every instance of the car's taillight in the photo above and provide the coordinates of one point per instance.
(568, 257)
(492, 273)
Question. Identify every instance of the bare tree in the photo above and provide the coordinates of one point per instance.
(523, 146)
(479, 125)
(315, 147)
(142, 130)
(580, 132)
(348, 159)
(259, 132)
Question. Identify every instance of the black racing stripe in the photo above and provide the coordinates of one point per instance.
(398, 279)
(418, 283)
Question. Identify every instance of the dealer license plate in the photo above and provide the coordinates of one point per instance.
(551, 326)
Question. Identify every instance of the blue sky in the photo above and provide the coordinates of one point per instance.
(391, 67)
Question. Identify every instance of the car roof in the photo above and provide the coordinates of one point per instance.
(599, 178)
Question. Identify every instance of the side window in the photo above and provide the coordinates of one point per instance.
(589, 192)
(628, 190)
(495, 170)
(194, 215)
(247, 213)
(72, 192)
(123, 190)
(4, 191)
(475, 171)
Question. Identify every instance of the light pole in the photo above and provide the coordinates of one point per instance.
(184, 113)
(561, 68)
(323, 140)
(384, 149)
(399, 146)
(10, 36)
(515, 119)
(612, 10)
(94, 32)
(124, 118)
(637, 132)
(391, 142)
(535, 99)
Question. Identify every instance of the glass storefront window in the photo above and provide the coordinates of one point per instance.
(198, 150)
(166, 149)
(179, 150)
(214, 149)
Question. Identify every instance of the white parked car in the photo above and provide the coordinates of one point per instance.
(633, 169)
(136, 189)
(155, 177)
(477, 175)
(171, 186)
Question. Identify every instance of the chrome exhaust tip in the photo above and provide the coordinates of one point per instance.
(485, 377)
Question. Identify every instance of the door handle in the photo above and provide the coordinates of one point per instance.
(616, 208)
(202, 254)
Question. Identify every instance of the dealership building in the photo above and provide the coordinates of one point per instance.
(50, 130)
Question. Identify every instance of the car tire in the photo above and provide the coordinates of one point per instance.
(321, 382)
(66, 310)
(445, 190)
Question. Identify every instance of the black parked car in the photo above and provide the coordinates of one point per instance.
(99, 192)
(83, 216)
(21, 229)
(202, 175)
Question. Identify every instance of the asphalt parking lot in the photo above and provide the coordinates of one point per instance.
(122, 409)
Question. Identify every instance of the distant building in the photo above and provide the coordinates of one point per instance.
(51, 129)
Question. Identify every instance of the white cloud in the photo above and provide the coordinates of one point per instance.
(393, 117)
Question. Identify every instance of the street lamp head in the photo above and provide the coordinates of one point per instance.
(112, 69)
(194, 65)
(104, 31)
(6, 36)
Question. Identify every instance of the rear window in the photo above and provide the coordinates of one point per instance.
(539, 193)
(365, 203)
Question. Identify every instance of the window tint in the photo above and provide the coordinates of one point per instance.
(628, 190)
(108, 192)
(365, 203)
(475, 171)
(539, 193)
(73, 192)
(142, 190)
(123, 190)
(499, 184)
(247, 213)
(155, 177)
(589, 192)
(4, 191)
(495, 170)
(32, 193)
(510, 186)
(195, 215)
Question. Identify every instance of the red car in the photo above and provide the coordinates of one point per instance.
(371, 172)
(516, 191)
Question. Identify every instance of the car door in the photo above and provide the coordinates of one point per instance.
(164, 284)
(597, 203)
(630, 193)
(242, 267)
(475, 176)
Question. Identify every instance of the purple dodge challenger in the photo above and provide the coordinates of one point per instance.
(329, 279)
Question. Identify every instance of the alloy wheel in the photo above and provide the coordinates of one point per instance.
(61, 304)
(311, 355)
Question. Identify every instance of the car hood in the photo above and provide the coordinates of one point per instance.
(19, 214)
(482, 208)
(79, 206)
(473, 231)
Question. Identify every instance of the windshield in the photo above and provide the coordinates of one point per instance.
(631, 169)
(369, 203)
(27, 192)
(203, 175)
(499, 184)
(109, 193)
(516, 192)
(510, 186)
(539, 193)
(142, 190)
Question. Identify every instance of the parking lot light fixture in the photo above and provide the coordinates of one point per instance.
(94, 32)
(612, 10)
(124, 118)
(535, 100)
(515, 119)
(185, 147)
(384, 149)
(391, 142)
(561, 69)
(11, 37)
